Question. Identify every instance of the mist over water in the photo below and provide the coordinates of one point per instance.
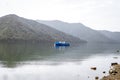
(20, 61)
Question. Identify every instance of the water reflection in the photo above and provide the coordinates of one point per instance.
(14, 54)
(22, 61)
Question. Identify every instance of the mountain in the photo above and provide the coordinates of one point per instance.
(112, 35)
(13, 27)
(78, 30)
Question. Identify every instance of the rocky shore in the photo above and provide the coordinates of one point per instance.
(114, 73)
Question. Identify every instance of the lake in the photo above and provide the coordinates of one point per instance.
(23, 61)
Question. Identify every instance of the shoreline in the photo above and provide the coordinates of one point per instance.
(114, 73)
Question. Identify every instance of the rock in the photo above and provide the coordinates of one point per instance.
(104, 72)
(93, 68)
(115, 57)
(113, 71)
(113, 64)
(118, 51)
(96, 78)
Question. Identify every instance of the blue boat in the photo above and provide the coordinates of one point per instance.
(61, 43)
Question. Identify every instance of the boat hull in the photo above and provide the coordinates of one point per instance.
(61, 44)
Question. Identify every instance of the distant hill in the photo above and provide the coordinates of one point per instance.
(79, 30)
(13, 27)
(112, 35)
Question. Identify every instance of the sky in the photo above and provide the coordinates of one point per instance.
(96, 14)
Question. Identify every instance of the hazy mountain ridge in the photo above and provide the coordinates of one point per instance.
(14, 27)
(112, 35)
(79, 30)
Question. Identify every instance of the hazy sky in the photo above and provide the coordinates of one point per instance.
(97, 14)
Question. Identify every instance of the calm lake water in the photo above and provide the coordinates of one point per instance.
(46, 62)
